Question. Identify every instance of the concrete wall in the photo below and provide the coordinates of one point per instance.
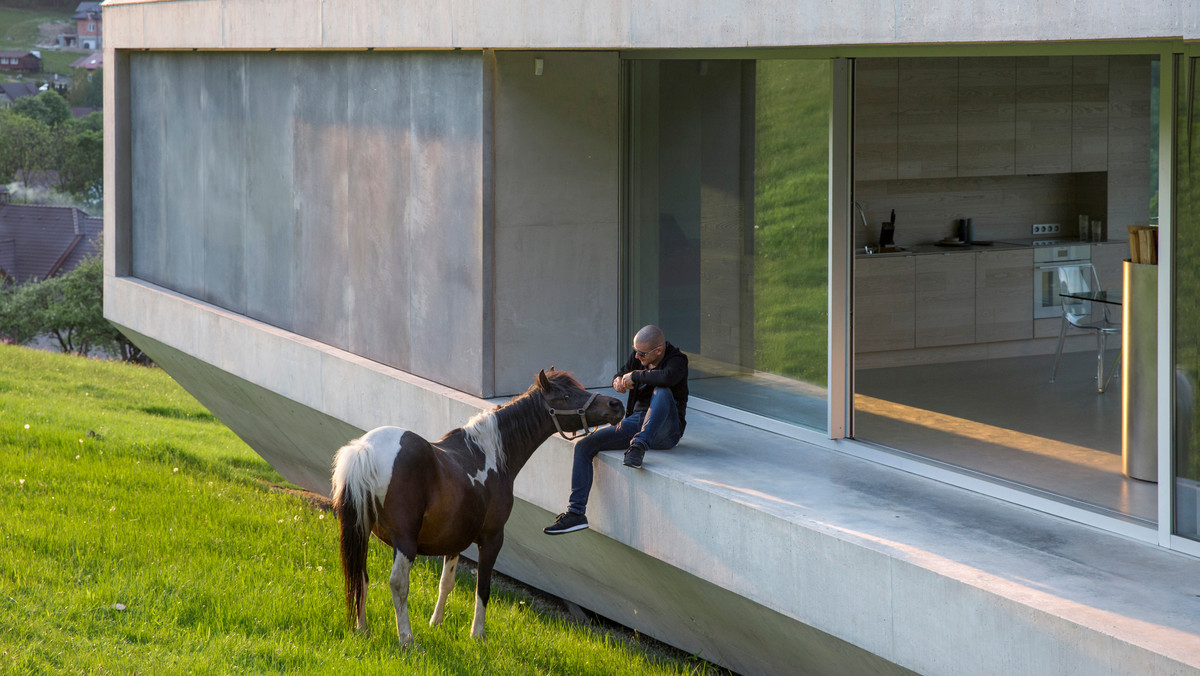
(629, 24)
(557, 216)
(338, 196)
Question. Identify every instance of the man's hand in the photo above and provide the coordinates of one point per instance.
(619, 385)
(627, 381)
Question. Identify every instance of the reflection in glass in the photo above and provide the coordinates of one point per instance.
(729, 226)
(1187, 288)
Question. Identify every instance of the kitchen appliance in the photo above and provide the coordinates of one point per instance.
(1048, 257)
(966, 230)
(887, 233)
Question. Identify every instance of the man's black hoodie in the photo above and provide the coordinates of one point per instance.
(671, 371)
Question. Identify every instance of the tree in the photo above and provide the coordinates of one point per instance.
(20, 314)
(93, 121)
(68, 308)
(87, 89)
(25, 146)
(49, 108)
(80, 161)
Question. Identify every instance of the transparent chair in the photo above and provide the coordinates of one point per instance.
(1086, 315)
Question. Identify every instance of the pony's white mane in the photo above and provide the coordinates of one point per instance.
(483, 431)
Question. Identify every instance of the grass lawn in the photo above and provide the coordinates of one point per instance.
(142, 536)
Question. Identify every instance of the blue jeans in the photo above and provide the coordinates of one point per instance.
(656, 428)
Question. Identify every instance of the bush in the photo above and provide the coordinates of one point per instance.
(68, 308)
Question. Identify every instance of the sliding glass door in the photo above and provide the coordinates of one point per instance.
(728, 226)
(1186, 313)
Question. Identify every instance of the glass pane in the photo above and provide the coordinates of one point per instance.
(963, 355)
(729, 226)
(1187, 286)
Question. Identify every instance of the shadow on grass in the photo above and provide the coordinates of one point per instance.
(178, 413)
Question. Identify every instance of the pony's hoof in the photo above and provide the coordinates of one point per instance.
(406, 641)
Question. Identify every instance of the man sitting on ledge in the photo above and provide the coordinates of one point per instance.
(655, 378)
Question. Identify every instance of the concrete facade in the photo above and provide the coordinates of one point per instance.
(557, 276)
(264, 187)
(632, 24)
(320, 239)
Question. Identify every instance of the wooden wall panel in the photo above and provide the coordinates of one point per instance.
(875, 119)
(1043, 128)
(944, 288)
(1129, 186)
(927, 137)
(986, 116)
(1003, 295)
(883, 303)
(1089, 113)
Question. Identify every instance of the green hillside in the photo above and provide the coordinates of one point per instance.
(19, 32)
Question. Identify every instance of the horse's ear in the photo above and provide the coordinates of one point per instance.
(542, 381)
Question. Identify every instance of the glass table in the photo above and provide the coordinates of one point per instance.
(1108, 297)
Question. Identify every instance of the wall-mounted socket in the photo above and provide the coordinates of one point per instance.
(1046, 228)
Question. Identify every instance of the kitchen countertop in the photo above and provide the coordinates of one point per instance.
(925, 249)
(931, 248)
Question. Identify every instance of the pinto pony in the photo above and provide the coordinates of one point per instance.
(435, 499)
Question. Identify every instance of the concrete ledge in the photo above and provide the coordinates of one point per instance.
(840, 565)
(625, 24)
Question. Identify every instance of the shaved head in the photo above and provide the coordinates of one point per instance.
(649, 337)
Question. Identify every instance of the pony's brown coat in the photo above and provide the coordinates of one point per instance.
(435, 504)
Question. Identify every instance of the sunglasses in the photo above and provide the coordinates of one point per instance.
(641, 354)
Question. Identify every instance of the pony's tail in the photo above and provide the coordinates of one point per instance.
(355, 507)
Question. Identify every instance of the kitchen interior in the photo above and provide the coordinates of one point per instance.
(984, 186)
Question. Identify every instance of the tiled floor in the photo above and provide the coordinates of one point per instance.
(1003, 418)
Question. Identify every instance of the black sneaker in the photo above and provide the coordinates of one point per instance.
(568, 522)
(633, 457)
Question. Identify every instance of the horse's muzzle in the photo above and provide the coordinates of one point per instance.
(614, 410)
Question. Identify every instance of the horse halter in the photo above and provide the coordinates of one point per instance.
(581, 412)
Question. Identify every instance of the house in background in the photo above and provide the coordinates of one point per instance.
(38, 242)
(89, 28)
(11, 91)
(21, 62)
(90, 62)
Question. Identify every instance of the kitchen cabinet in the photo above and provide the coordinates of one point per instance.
(944, 295)
(883, 303)
(875, 119)
(1129, 185)
(1043, 114)
(927, 118)
(1003, 293)
(1089, 113)
(1107, 258)
(991, 116)
(986, 116)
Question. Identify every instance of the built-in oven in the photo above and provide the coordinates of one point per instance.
(1047, 260)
